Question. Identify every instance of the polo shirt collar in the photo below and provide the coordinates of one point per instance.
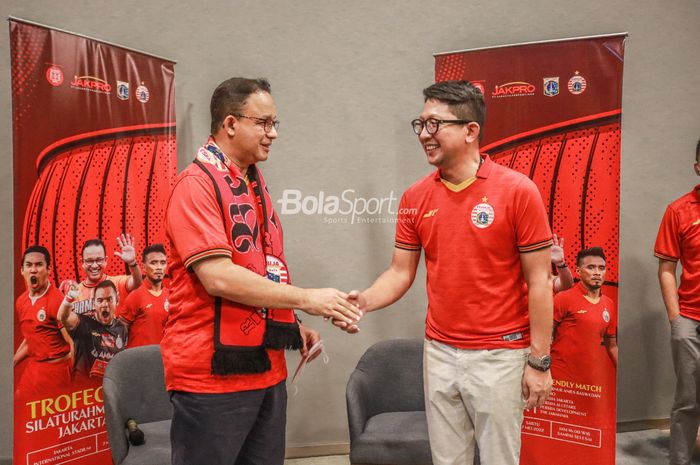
(584, 290)
(483, 171)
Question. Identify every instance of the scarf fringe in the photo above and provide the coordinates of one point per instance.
(282, 336)
(235, 362)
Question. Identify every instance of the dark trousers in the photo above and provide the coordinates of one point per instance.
(239, 428)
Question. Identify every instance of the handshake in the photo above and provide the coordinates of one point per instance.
(344, 309)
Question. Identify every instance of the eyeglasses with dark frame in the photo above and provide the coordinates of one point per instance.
(432, 125)
(267, 124)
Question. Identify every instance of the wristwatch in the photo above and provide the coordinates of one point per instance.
(542, 363)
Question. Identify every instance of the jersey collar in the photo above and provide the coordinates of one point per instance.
(483, 172)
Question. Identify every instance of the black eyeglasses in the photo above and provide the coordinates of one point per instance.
(267, 124)
(432, 125)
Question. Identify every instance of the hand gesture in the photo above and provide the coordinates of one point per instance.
(331, 303)
(72, 290)
(356, 298)
(126, 245)
(557, 251)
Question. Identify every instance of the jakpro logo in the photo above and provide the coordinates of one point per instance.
(347, 207)
(91, 83)
(513, 89)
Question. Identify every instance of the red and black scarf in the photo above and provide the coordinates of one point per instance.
(243, 333)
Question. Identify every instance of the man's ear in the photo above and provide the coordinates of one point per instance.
(473, 131)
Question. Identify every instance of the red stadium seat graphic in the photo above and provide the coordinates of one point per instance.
(100, 185)
(576, 167)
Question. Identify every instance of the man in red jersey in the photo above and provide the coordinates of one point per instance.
(146, 309)
(98, 337)
(484, 231)
(679, 239)
(45, 346)
(94, 261)
(585, 324)
(231, 299)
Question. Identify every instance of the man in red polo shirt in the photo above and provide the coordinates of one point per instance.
(231, 299)
(94, 260)
(585, 324)
(484, 231)
(679, 239)
(45, 349)
(146, 309)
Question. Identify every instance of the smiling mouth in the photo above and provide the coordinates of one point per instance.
(430, 147)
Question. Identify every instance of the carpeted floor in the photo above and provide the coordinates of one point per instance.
(647, 447)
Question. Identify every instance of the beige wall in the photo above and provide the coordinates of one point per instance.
(347, 78)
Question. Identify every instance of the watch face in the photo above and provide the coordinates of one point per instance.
(540, 363)
(546, 362)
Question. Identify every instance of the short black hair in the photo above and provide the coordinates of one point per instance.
(464, 99)
(91, 242)
(37, 249)
(153, 248)
(230, 96)
(107, 283)
(589, 252)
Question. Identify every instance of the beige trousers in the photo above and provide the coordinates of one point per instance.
(473, 397)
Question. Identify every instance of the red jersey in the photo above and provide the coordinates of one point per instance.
(39, 324)
(196, 230)
(473, 235)
(146, 314)
(578, 349)
(679, 239)
(86, 292)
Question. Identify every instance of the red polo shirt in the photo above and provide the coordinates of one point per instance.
(146, 314)
(197, 231)
(679, 239)
(473, 235)
(582, 327)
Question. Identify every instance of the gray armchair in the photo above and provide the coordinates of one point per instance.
(134, 388)
(386, 410)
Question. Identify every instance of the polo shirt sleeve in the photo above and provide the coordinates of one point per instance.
(668, 245)
(194, 222)
(406, 235)
(531, 223)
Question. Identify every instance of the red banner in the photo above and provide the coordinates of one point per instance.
(553, 113)
(94, 157)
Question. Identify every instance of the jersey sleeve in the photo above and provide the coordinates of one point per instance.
(127, 311)
(532, 230)
(559, 307)
(667, 246)
(406, 234)
(194, 222)
(611, 330)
